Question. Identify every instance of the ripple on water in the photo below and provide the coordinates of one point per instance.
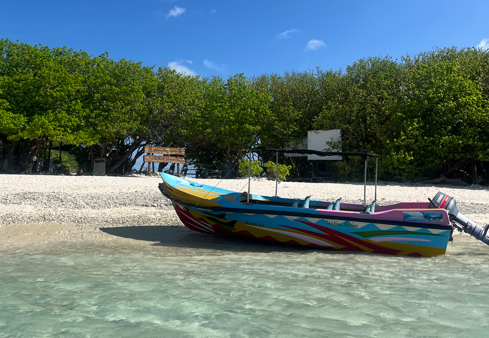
(210, 293)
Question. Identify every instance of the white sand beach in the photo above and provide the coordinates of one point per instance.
(46, 210)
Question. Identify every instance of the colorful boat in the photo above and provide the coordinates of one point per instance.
(410, 229)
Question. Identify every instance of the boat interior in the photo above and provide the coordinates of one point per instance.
(306, 203)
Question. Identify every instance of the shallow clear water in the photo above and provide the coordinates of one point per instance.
(248, 290)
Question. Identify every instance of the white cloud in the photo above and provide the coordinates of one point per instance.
(315, 44)
(287, 33)
(484, 44)
(182, 69)
(214, 66)
(175, 12)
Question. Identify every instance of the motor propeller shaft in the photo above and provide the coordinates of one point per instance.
(472, 228)
(461, 222)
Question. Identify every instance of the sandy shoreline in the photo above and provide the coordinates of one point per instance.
(42, 210)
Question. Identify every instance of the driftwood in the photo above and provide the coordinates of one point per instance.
(443, 179)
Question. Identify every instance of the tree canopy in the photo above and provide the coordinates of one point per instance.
(425, 115)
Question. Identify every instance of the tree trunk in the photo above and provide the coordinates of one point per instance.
(457, 166)
(474, 171)
(228, 155)
(60, 152)
(129, 152)
(49, 153)
(138, 155)
(28, 150)
(111, 148)
(141, 169)
(103, 150)
(161, 166)
(91, 157)
(10, 155)
(443, 179)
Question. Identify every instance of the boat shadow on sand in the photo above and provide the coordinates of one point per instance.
(179, 236)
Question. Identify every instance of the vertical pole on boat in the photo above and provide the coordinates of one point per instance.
(249, 180)
(365, 185)
(376, 168)
(276, 174)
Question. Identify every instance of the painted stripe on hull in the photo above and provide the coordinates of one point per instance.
(191, 222)
(298, 236)
(397, 239)
(292, 215)
(328, 238)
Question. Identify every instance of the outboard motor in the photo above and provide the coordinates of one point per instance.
(458, 220)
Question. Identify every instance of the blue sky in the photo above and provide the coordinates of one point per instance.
(251, 37)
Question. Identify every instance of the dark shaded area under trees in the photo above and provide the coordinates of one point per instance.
(425, 115)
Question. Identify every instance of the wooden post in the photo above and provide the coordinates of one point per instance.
(149, 168)
(178, 169)
(153, 164)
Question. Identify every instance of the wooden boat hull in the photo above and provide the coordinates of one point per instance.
(318, 233)
(407, 232)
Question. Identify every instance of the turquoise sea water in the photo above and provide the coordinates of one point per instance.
(241, 289)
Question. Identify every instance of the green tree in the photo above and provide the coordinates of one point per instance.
(42, 87)
(231, 119)
(356, 102)
(295, 101)
(439, 115)
(113, 96)
(167, 114)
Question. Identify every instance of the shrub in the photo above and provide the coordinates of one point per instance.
(65, 169)
(256, 170)
(283, 170)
